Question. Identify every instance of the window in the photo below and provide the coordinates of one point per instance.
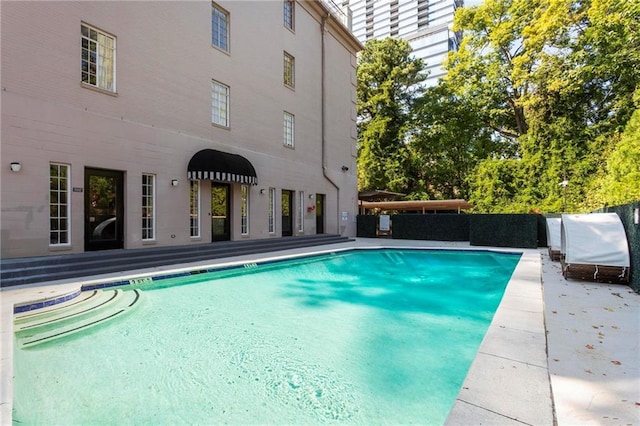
(219, 27)
(244, 209)
(59, 204)
(272, 210)
(98, 58)
(219, 104)
(289, 70)
(423, 13)
(289, 122)
(301, 211)
(194, 208)
(148, 204)
(289, 9)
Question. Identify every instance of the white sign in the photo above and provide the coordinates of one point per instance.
(345, 215)
(385, 222)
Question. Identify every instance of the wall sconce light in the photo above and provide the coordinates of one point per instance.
(345, 168)
(262, 191)
(174, 182)
(15, 166)
(311, 196)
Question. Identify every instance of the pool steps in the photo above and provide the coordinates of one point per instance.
(56, 267)
(90, 309)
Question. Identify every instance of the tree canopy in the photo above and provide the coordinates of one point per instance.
(539, 92)
(387, 82)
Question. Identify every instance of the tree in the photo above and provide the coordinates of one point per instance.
(557, 78)
(387, 80)
(449, 138)
(620, 182)
(491, 58)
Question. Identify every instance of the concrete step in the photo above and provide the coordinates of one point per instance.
(49, 268)
(95, 308)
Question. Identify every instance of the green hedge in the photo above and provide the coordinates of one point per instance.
(435, 227)
(366, 226)
(504, 230)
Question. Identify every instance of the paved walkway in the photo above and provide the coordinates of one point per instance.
(593, 338)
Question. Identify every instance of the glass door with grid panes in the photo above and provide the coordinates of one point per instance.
(103, 209)
(319, 213)
(220, 212)
(287, 213)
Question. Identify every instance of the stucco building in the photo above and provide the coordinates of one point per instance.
(134, 124)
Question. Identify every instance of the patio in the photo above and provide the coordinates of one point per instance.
(558, 351)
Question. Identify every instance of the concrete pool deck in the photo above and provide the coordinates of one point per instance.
(557, 352)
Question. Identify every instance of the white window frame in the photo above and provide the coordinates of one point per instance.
(194, 209)
(98, 58)
(289, 64)
(148, 223)
(244, 209)
(272, 210)
(220, 36)
(289, 13)
(289, 127)
(219, 104)
(301, 208)
(59, 190)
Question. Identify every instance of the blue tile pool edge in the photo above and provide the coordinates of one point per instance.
(151, 278)
(30, 306)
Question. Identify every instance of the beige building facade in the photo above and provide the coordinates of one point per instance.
(138, 124)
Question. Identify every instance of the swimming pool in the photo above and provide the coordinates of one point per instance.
(368, 336)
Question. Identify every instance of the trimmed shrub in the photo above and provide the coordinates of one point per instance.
(437, 227)
(366, 226)
(504, 230)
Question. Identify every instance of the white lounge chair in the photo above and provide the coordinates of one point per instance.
(594, 247)
(554, 241)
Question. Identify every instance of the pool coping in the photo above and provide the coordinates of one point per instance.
(508, 382)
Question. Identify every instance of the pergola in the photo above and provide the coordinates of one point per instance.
(423, 206)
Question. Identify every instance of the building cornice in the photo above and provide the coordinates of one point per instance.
(319, 10)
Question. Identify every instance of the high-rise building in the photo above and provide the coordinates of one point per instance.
(425, 24)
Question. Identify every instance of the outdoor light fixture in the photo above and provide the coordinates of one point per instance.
(310, 196)
(262, 191)
(174, 182)
(15, 166)
(345, 168)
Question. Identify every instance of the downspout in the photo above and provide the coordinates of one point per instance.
(323, 123)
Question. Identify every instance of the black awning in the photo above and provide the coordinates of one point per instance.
(221, 166)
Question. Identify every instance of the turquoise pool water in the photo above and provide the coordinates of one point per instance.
(358, 337)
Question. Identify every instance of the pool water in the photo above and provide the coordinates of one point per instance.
(358, 337)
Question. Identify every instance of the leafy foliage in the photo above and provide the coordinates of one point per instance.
(387, 84)
(539, 92)
(572, 68)
(448, 141)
